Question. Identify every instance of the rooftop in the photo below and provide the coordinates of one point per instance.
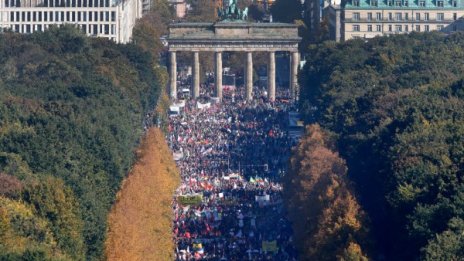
(239, 24)
(405, 4)
(233, 31)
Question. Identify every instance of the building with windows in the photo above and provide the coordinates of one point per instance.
(146, 6)
(180, 6)
(312, 15)
(332, 13)
(369, 18)
(112, 19)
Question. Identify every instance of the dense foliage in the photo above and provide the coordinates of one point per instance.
(293, 11)
(397, 106)
(327, 219)
(140, 222)
(152, 26)
(71, 113)
(286, 11)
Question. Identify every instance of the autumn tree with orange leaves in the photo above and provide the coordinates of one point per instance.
(329, 223)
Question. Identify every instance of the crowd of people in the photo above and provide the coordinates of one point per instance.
(231, 156)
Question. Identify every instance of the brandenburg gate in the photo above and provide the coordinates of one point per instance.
(234, 35)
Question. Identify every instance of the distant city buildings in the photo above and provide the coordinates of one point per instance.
(312, 15)
(112, 19)
(146, 6)
(370, 18)
(180, 6)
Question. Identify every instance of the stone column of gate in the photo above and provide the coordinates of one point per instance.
(271, 76)
(218, 75)
(290, 75)
(295, 58)
(196, 75)
(173, 76)
(249, 77)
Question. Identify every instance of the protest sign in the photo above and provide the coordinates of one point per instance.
(190, 199)
(270, 246)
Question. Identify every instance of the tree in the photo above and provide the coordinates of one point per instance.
(71, 107)
(202, 11)
(352, 252)
(397, 114)
(54, 201)
(24, 235)
(149, 29)
(10, 186)
(328, 221)
(286, 11)
(448, 245)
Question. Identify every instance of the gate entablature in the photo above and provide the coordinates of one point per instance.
(234, 36)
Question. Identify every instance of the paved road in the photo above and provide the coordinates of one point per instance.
(231, 157)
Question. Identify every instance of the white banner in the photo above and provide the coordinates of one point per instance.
(203, 105)
(264, 198)
(177, 155)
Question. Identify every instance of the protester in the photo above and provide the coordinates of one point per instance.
(231, 157)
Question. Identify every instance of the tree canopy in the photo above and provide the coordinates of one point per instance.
(152, 26)
(328, 221)
(286, 11)
(395, 105)
(71, 113)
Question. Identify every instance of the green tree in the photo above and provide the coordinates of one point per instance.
(286, 11)
(397, 114)
(55, 202)
(72, 107)
(448, 245)
(152, 26)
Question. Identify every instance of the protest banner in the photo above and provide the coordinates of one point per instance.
(203, 105)
(262, 199)
(190, 199)
(270, 246)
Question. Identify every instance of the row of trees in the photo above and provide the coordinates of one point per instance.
(140, 222)
(329, 223)
(71, 113)
(39, 220)
(395, 106)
